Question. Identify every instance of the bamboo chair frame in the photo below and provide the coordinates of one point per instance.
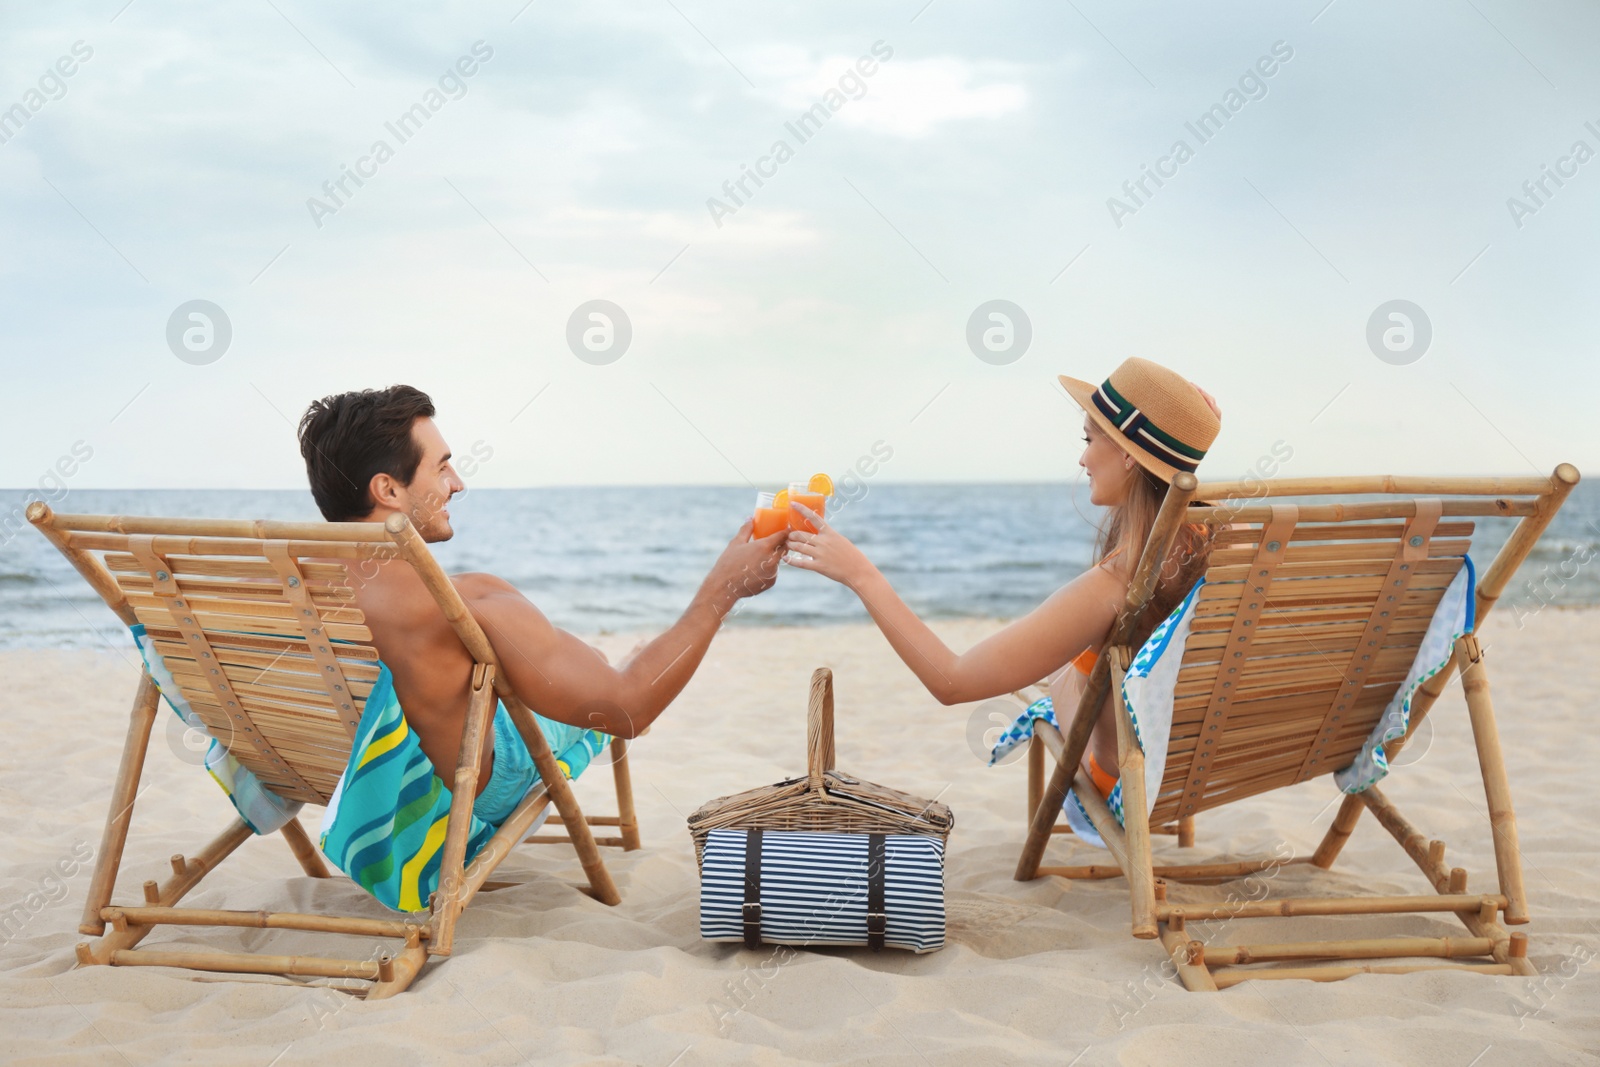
(287, 734)
(1202, 966)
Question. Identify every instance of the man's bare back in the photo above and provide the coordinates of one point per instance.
(432, 668)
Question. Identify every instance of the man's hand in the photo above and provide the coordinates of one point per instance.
(746, 567)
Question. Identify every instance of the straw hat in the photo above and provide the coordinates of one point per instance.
(1155, 415)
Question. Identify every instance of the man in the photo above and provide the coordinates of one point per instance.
(376, 453)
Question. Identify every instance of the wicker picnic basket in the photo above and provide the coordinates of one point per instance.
(825, 800)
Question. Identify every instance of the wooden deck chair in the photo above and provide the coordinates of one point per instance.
(1307, 625)
(293, 667)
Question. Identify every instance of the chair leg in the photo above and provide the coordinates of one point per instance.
(449, 900)
(402, 970)
(1135, 812)
(1507, 948)
(1344, 824)
(1189, 957)
(304, 851)
(1035, 774)
(1186, 831)
(146, 700)
(1074, 740)
(1043, 822)
(622, 779)
(186, 874)
(1496, 788)
(601, 885)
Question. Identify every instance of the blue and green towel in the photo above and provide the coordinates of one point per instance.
(385, 824)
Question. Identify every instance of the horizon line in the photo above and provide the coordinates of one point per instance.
(712, 485)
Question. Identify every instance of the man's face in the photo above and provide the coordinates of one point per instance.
(426, 501)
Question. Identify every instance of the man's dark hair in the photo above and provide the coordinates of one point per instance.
(348, 438)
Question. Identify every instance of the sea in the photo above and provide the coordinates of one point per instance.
(614, 559)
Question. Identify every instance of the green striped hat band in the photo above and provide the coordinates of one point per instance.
(1137, 427)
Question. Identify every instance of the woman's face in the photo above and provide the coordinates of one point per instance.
(1107, 466)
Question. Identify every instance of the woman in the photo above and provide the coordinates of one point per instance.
(1141, 426)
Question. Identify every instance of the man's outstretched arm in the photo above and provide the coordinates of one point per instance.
(562, 678)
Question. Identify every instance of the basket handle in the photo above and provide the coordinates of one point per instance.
(819, 728)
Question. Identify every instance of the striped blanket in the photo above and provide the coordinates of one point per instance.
(814, 889)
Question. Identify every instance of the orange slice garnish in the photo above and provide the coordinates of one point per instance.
(821, 483)
(781, 501)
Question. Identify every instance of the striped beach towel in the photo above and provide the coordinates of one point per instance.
(385, 823)
(1147, 691)
(814, 889)
(262, 810)
(1453, 617)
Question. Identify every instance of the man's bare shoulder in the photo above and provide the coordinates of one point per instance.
(490, 592)
(476, 585)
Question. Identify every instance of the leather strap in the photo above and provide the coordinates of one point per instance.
(329, 670)
(877, 918)
(752, 888)
(1270, 553)
(1413, 548)
(243, 727)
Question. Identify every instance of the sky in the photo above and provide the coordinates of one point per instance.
(1357, 154)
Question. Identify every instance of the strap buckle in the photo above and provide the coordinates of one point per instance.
(877, 922)
(752, 923)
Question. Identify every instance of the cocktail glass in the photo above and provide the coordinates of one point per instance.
(801, 493)
(768, 519)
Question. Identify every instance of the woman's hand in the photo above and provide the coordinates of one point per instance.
(827, 551)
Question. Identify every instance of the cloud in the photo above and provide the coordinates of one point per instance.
(909, 98)
(765, 229)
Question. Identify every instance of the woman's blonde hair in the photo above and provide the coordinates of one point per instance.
(1127, 527)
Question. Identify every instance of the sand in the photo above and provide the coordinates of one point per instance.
(1039, 972)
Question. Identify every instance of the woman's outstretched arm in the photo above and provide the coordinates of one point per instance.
(1076, 616)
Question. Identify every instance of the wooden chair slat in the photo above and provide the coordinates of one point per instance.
(1207, 646)
(1312, 667)
(301, 689)
(312, 717)
(283, 662)
(1323, 569)
(217, 623)
(230, 546)
(1338, 553)
(1348, 531)
(254, 609)
(272, 644)
(308, 727)
(1298, 589)
(222, 567)
(332, 595)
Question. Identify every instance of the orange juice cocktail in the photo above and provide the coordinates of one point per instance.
(770, 516)
(773, 512)
(769, 521)
(802, 493)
